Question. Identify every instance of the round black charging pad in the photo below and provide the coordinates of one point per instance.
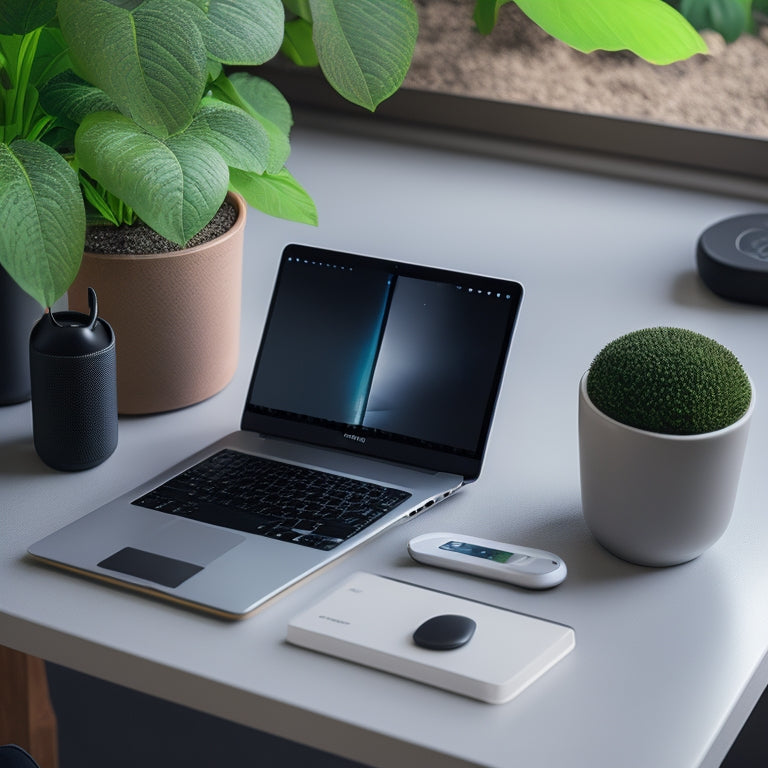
(732, 257)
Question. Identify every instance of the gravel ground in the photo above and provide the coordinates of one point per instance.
(725, 91)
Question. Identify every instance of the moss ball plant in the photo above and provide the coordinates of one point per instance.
(669, 380)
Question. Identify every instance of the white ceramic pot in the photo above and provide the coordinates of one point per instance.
(657, 499)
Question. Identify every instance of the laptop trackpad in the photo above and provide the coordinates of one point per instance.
(173, 553)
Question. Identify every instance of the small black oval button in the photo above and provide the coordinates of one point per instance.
(444, 633)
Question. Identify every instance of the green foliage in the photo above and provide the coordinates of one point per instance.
(298, 45)
(650, 29)
(132, 98)
(731, 18)
(42, 217)
(364, 47)
(669, 380)
(18, 18)
(176, 127)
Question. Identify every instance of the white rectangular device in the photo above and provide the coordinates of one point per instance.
(522, 566)
(371, 620)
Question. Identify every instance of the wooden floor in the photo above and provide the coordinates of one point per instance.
(27, 718)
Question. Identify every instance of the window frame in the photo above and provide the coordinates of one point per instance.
(724, 162)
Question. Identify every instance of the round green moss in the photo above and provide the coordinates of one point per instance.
(669, 380)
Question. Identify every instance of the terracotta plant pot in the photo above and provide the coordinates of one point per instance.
(176, 318)
(656, 499)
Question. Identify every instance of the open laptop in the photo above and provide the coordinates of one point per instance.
(383, 374)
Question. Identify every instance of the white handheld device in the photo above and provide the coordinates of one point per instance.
(523, 566)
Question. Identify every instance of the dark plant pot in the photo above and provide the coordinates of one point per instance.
(18, 314)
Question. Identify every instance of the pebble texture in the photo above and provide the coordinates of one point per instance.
(518, 62)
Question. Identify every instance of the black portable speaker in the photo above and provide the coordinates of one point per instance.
(732, 257)
(73, 373)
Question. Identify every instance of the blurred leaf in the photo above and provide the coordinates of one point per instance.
(486, 14)
(651, 29)
(731, 18)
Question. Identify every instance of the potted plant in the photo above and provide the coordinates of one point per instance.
(131, 100)
(663, 420)
(133, 94)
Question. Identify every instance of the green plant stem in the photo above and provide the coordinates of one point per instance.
(20, 119)
(6, 89)
(108, 206)
(27, 53)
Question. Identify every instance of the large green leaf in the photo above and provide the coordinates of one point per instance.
(266, 104)
(240, 139)
(150, 60)
(17, 17)
(365, 47)
(71, 97)
(42, 219)
(276, 194)
(175, 185)
(243, 32)
(649, 28)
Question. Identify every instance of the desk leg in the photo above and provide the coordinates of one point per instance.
(26, 715)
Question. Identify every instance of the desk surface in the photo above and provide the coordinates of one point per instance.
(668, 662)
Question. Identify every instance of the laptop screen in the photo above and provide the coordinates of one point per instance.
(391, 360)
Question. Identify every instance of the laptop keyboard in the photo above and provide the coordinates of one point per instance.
(282, 501)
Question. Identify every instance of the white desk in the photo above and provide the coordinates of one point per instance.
(668, 663)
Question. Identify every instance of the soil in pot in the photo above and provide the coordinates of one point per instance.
(139, 238)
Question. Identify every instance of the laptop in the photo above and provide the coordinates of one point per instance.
(371, 400)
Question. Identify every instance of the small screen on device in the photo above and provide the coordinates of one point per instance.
(486, 553)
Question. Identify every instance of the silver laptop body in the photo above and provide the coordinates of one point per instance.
(375, 370)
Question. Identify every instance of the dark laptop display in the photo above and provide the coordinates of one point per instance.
(383, 358)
